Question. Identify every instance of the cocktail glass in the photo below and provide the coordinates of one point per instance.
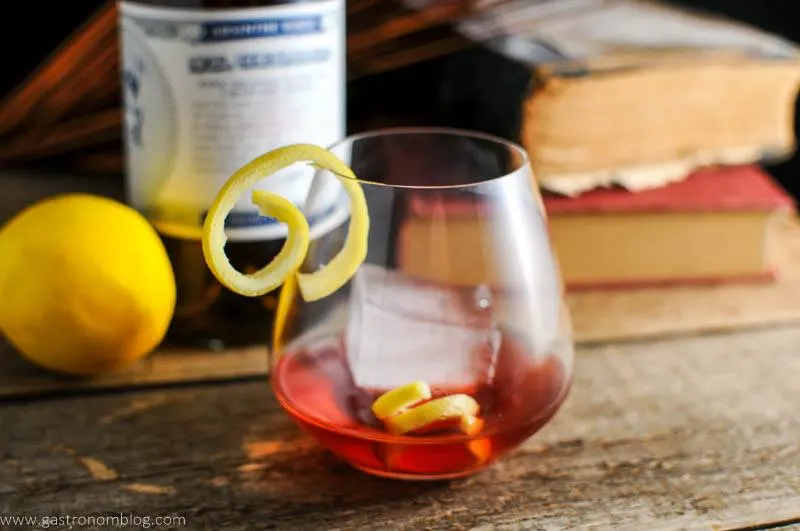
(460, 291)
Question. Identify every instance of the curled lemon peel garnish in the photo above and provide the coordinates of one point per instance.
(312, 286)
(283, 313)
(342, 267)
(400, 399)
(431, 412)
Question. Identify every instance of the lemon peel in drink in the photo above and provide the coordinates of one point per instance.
(312, 286)
(434, 411)
(399, 399)
(470, 424)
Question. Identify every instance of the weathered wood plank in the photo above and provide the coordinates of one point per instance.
(20, 189)
(19, 378)
(681, 434)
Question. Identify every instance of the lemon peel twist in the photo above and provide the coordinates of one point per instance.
(408, 408)
(312, 286)
(431, 412)
(400, 399)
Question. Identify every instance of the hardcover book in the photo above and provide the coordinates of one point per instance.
(714, 226)
(629, 92)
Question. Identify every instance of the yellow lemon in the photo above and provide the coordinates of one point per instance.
(86, 284)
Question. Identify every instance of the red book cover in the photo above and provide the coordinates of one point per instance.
(717, 189)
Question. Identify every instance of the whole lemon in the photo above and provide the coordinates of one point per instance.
(86, 284)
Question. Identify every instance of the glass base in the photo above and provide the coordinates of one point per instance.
(421, 477)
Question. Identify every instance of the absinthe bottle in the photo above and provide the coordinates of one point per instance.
(209, 85)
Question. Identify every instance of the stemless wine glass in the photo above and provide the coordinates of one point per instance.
(460, 290)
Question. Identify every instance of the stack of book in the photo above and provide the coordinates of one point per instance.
(646, 125)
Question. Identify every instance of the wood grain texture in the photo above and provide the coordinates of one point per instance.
(20, 378)
(72, 56)
(689, 433)
(75, 133)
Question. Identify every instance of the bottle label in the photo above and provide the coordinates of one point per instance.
(207, 91)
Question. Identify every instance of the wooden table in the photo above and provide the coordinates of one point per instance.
(698, 432)
(691, 433)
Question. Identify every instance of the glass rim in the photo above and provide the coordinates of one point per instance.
(524, 161)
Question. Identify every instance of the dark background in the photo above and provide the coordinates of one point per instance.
(33, 29)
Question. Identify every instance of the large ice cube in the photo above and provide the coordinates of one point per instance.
(401, 330)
